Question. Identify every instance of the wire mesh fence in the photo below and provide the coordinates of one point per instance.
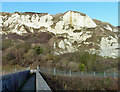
(54, 71)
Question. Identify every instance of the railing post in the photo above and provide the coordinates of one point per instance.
(104, 74)
(82, 73)
(15, 70)
(3, 72)
(54, 71)
(38, 67)
(70, 73)
(28, 68)
(94, 73)
(114, 74)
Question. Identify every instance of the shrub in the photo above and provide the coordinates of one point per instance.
(56, 58)
(73, 66)
(75, 31)
(80, 83)
(81, 67)
(38, 50)
(88, 60)
(85, 58)
(107, 82)
(71, 26)
(9, 56)
(25, 46)
(30, 54)
(46, 48)
(49, 56)
(63, 64)
(6, 43)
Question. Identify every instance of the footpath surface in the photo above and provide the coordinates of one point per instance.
(29, 84)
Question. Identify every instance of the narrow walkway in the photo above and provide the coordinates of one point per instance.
(41, 83)
(29, 85)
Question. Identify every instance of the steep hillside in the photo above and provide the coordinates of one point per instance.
(65, 32)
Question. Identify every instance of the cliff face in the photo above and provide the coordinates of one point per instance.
(78, 31)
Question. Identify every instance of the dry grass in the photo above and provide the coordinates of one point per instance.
(80, 83)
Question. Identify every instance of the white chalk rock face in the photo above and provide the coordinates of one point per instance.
(115, 30)
(77, 29)
(34, 21)
(109, 28)
(62, 44)
(1, 21)
(65, 47)
(78, 20)
(37, 22)
(108, 47)
(73, 20)
(59, 26)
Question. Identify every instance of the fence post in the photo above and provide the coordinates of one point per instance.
(28, 68)
(37, 67)
(82, 73)
(104, 74)
(94, 73)
(3, 73)
(114, 74)
(54, 71)
(70, 72)
(15, 70)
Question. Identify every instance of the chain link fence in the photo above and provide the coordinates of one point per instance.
(54, 71)
(73, 73)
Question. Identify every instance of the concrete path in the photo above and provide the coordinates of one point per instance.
(29, 85)
(41, 83)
